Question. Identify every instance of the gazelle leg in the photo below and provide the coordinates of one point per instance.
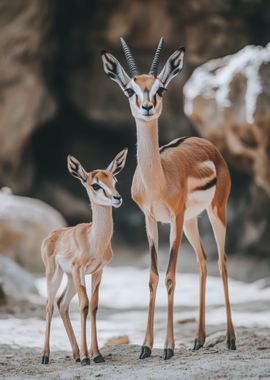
(79, 281)
(218, 221)
(192, 233)
(152, 234)
(53, 283)
(63, 306)
(175, 239)
(95, 353)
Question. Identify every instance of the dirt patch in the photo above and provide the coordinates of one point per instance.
(250, 361)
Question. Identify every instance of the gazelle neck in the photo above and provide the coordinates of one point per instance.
(148, 155)
(102, 224)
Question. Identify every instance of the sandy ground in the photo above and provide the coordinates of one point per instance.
(250, 361)
(22, 327)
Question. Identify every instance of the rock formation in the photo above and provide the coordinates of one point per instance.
(24, 223)
(227, 99)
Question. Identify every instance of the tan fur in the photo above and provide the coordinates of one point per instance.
(78, 251)
(174, 187)
(165, 187)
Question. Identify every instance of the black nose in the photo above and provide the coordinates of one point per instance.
(147, 108)
(118, 198)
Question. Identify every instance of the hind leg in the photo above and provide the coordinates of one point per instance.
(191, 231)
(63, 306)
(53, 283)
(217, 216)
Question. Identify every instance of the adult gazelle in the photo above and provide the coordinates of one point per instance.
(173, 184)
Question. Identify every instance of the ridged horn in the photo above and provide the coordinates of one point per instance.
(154, 67)
(130, 60)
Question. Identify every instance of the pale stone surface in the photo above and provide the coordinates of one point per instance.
(24, 223)
(227, 99)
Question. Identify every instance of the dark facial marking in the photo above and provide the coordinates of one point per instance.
(173, 144)
(96, 186)
(161, 91)
(146, 93)
(130, 92)
(207, 186)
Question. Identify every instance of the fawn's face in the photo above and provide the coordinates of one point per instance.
(100, 184)
(144, 91)
(101, 189)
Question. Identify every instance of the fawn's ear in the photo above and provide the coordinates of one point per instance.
(114, 69)
(172, 67)
(76, 169)
(118, 163)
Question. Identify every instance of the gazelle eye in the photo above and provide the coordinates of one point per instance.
(96, 186)
(130, 92)
(161, 91)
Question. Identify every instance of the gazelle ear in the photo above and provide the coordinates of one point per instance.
(114, 70)
(75, 168)
(118, 163)
(172, 67)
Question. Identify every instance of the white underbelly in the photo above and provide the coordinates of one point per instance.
(65, 265)
(198, 201)
(160, 212)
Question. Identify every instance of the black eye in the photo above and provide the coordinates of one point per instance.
(161, 91)
(96, 186)
(130, 92)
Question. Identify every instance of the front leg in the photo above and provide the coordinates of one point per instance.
(79, 282)
(175, 239)
(152, 234)
(95, 353)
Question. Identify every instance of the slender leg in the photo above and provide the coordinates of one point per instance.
(79, 281)
(152, 234)
(95, 353)
(53, 283)
(218, 221)
(175, 239)
(63, 306)
(192, 233)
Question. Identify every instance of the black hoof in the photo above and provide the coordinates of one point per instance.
(78, 360)
(45, 360)
(231, 344)
(99, 359)
(85, 361)
(145, 352)
(197, 345)
(167, 353)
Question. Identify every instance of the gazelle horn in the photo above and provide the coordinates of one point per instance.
(154, 67)
(130, 60)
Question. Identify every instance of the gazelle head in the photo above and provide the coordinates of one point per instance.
(100, 184)
(144, 91)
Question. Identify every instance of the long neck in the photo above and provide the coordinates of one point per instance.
(148, 155)
(102, 224)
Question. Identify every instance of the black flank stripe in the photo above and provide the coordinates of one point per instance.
(173, 144)
(208, 185)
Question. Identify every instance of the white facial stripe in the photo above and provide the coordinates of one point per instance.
(137, 89)
(154, 88)
(106, 188)
(208, 164)
(103, 187)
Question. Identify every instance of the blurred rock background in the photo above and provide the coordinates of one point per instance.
(56, 99)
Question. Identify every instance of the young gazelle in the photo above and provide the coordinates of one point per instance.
(173, 184)
(81, 250)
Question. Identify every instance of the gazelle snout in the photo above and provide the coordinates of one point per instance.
(117, 200)
(147, 108)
